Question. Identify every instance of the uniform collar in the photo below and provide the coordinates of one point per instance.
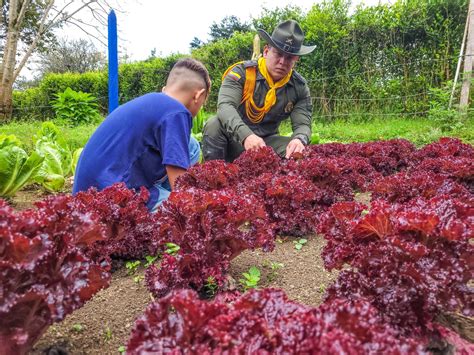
(290, 82)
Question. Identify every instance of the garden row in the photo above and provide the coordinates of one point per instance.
(405, 257)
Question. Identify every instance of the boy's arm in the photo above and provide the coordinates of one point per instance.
(173, 172)
(172, 141)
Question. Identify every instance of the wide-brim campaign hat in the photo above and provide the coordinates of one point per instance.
(287, 37)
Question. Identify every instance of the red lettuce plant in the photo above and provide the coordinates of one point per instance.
(460, 169)
(449, 157)
(339, 177)
(328, 150)
(130, 227)
(211, 175)
(253, 163)
(293, 203)
(404, 186)
(210, 229)
(445, 147)
(45, 269)
(386, 157)
(263, 321)
(411, 261)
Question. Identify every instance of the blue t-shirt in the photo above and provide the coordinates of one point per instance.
(134, 143)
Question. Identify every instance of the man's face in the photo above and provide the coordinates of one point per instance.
(278, 63)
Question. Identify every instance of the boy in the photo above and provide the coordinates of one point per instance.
(147, 141)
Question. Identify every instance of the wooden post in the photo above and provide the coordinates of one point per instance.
(458, 67)
(464, 101)
(256, 48)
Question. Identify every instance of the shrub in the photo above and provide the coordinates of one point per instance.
(76, 108)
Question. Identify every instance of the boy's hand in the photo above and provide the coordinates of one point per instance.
(253, 142)
(295, 146)
(173, 172)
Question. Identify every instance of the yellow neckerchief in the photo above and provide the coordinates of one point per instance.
(255, 113)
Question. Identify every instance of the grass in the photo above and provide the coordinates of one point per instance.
(420, 131)
(75, 137)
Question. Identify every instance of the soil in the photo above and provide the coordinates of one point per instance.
(25, 198)
(103, 325)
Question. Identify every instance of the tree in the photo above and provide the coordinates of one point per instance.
(77, 56)
(227, 27)
(270, 18)
(222, 30)
(27, 26)
(196, 43)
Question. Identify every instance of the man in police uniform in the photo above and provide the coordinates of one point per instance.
(256, 96)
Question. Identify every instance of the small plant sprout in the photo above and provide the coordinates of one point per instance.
(322, 288)
(211, 286)
(150, 260)
(274, 267)
(77, 327)
(132, 266)
(137, 279)
(108, 334)
(251, 278)
(299, 243)
(121, 349)
(365, 212)
(172, 249)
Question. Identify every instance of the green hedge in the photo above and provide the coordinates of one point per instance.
(219, 55)
(135, 79)
(36, 103)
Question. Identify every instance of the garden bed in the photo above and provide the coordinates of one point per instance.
(393, 224)
(103, 325)
(105, 322)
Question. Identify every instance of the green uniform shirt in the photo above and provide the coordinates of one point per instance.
(293, 100)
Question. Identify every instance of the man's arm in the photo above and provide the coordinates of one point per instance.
(301, 116)
(230, 96)
(173, 173)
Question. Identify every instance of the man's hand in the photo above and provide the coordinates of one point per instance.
(253, 142)
(295, 146)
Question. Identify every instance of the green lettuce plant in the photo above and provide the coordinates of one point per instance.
(57, 158)
(16, 168)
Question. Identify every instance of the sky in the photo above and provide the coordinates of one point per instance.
(169, 26)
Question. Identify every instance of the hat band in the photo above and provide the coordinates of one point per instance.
(286, 47)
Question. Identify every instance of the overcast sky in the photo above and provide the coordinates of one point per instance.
(169, 26)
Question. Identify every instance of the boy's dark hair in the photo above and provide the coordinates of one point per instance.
(181, 70)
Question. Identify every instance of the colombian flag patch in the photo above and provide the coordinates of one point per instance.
(233, 75)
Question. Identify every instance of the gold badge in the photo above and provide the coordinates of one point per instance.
(289, 107)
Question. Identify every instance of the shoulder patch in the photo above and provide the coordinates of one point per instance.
(233, 75)
(298, 77)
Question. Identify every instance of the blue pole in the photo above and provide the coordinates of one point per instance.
(113, 62)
